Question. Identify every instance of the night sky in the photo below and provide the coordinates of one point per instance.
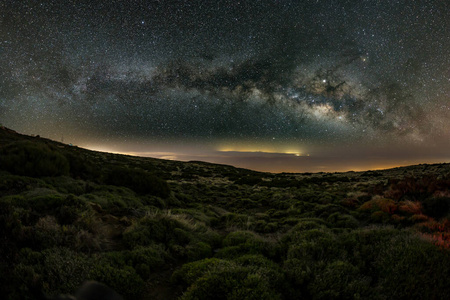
(277, 86)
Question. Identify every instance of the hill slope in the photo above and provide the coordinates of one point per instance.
(156, 229)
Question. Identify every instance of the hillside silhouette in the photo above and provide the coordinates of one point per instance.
(158, 229)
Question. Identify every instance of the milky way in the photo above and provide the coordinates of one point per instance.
(318, 79)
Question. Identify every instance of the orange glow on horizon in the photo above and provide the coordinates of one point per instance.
(261, 148)
(270, 159)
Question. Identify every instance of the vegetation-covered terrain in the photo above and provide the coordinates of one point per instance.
(155, 229)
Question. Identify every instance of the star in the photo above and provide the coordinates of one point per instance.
(324, 74)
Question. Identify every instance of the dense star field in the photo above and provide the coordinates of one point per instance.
(267, 85)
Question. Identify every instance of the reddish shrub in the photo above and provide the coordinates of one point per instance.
(350, 202)
(418, 218)
(410, 207)
(441, 239)
(383, 204)
(417, 189)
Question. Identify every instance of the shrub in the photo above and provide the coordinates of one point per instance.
(24, 283)
(221, 279)
(48, 233)
(299, 272)
(350, 202)
(13, 184)
(190, 272)
(66, 185)
(138, 180)
(342, 221)
(67, 214)
(379, 204)
(123, 280)
(314, 244)
(248, 180)
(270, 227)
(81, 167)
(407, 261)
(418, 218)
(379, 217)
(217, 285)
(240, 243)
(410, 207)
(339, 280)
(232, 220)
(150, 257)
(239, 237)
(167, 229)
(437, 207)
(144, 260)
(308, 223)
(64, 270)
(302, 226)
(324, 211)
(256, 261)
(147, 231)
(45, 203)
(198, 251)
(11, 223)
(33, 159)
(254, 287)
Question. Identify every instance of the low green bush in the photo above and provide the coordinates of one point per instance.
(174, 231)
(124, 280)
(46, 203)
(14, 184)
(66, 185)
(251, 277)
(240, 243)
(299, 272)
(47, 233)
(313, 244)
(234, 220)
(339, 280)
(190, 272)
(81, 167)
(324, 211)
(240, 237)
(342, 221)
(406, 261)
(199, 250)
(254, 287)
(63, 270)
(308, 223)
(145, 260)
(138, 180)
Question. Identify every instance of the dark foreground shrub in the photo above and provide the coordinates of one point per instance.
(253, 277)
(52, 271)
(81, 167)
(339, 280)
(144, 260)
(123, 280)
(139, 181)
(409, 267)
(240, 243)
(33, 159)
(155, 229)
(437, 207)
